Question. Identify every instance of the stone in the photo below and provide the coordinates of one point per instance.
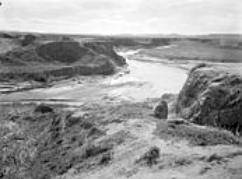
(161, 110)
(150, 157)
(43, 109)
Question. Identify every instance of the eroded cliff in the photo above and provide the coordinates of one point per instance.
(212, 96)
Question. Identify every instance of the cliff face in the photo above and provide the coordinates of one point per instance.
(60, 58)
(212, 97)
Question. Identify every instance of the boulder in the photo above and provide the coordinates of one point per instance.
(150, 157)
(177, 121)
(161, 110)
(212, 97)
(43, 109)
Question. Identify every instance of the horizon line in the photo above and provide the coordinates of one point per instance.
(119, 34)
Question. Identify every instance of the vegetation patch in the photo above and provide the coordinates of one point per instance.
(45, 61)
(196, 135)
(46, 144)
(150, 157)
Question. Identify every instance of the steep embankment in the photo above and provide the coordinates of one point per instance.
(44, 62)
(212, 96)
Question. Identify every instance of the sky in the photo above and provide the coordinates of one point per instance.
(122, 16)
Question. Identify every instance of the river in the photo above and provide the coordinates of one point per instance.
(146, 79)
(139, 81)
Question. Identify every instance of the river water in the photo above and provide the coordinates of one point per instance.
(146, 79)
(141, 80)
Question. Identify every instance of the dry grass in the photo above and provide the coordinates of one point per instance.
(196, 135)
(35, 145)
(190, 50)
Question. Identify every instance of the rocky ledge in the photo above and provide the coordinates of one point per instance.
(212, 96)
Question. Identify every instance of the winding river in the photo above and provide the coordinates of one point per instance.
(139, 81)
(146, 79)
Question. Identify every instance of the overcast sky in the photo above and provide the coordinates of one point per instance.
(122, 16)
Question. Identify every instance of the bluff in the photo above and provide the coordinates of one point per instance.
(212, 96)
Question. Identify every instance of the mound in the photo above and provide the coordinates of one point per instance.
(212, 97)
(67, 52)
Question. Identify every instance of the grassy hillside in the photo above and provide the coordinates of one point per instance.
(205, 50)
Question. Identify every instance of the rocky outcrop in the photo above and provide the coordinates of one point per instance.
(212, 97)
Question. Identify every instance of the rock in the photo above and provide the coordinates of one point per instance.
(177, 121)
(212, 97)
(161, 110)
(171, 101)
(214, 157)
(43, 109)
(106, 158)
(150, 157)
